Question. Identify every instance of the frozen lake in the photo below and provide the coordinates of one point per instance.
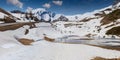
(98, 42)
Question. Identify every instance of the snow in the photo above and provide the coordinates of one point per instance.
(10, 35)
(56, 16)
(44, 50)
(2, 15)
(38, 10)
(21, 17)
(46, 17)
(38, 33)
(11, 49)
(8, 45)
(116, 6)
(1, 22)
(18, 15)
(42, 13)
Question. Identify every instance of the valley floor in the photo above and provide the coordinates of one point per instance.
(11, 49)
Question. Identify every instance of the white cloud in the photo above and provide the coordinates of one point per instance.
(47, 5)
(58, 2)
(16, 3)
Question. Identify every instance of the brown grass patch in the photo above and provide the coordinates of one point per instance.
(100, 58)
(112, 48)
(71, 24)
(111, 17)
(86, 19)
(110, 26)
(86, 39)
(49, 39)
(114, 31)
(9, 20)
(108, 47)
(25, 41)
(15, 26)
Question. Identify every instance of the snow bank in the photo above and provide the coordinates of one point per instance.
(44, 50)
(2, 15)
(10, 45)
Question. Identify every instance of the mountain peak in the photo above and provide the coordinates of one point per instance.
(116, 4)
(38, 10)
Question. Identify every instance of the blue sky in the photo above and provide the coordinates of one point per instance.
(67, 7)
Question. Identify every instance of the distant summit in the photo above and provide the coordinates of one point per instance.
(17, 11)
(43, 15)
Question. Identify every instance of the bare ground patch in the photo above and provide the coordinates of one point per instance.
(25, 41)
(16, 26)
(100, 58)
(109, 47)
(49, 39)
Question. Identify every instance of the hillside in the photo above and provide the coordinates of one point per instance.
(6, 16)
(111, 17)
(99, 23)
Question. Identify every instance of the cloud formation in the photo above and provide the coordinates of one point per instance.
(58, 2)
(47, 5)
(16, 3)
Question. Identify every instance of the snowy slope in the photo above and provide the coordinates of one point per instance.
(2, 15)
(87, 14)
(54, 51)
(42, 13)
(88, 23)
(43, 50)
(38, 11)
(45, 15)
(21, 17)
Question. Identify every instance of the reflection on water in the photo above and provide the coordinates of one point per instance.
(99, 42)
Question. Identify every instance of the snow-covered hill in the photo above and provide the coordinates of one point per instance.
(43, 15)
(95, 24)
(6, 16)
(31, 15)
(46, 16)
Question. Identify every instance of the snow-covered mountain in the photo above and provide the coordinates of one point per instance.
(98, 23)
(42, 14)
(95, 23)
(6, 17)
(103, 23)
(39, 14)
